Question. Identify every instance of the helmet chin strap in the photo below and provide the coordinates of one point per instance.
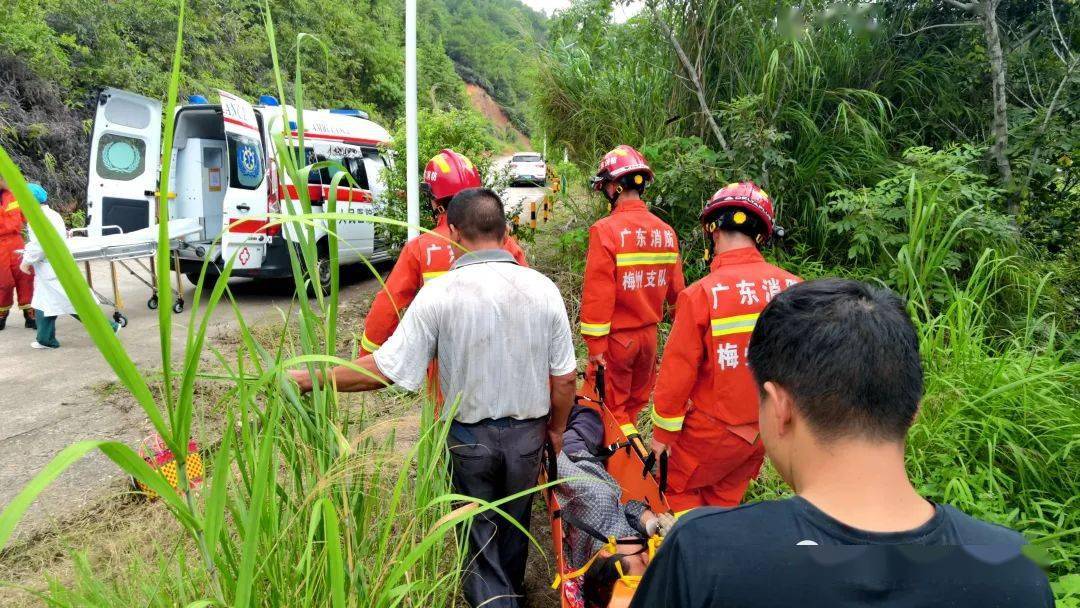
(613, 197)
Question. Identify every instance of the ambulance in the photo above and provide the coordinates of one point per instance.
(225, 176)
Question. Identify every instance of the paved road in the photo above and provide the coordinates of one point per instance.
(52, 399)
(518, 199)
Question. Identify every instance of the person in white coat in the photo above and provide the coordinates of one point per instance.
(50, 301)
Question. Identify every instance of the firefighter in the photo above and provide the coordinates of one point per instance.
(705, 408)
(427, 256)
(12, 280)
(632, 269)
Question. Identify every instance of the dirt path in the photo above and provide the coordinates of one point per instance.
(52, 399)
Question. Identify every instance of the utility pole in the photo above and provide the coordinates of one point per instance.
(412, 165)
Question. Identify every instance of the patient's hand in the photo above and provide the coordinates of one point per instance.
(666, 523)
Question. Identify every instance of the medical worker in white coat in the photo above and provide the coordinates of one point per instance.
(50, 301)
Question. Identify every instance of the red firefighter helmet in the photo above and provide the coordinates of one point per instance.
(449, 173)
(621, 162)
(741, 195)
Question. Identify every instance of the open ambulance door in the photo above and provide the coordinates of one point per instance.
(245, 202)
(125, 159)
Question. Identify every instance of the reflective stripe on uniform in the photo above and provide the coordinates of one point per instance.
(434, 274)
(739, 324)
(595, 329)
(673, 424)
(628, 429)
(644, 258)
(367, 344)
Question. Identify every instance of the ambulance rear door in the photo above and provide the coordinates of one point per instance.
(125, 160)
(245, 201)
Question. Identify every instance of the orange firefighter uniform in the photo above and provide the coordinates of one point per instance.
(706, 402)
(632, 269)
(13, 280)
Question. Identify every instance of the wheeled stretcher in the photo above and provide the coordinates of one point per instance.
(630, 463)
(133, 252)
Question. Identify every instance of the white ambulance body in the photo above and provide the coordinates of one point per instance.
(225, 174)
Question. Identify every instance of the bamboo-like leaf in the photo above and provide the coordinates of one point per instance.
(264, 478)
(334, 562)
(214, 510)
(122, 455)
(164, 255)
(71, 279)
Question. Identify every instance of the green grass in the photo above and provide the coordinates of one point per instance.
(302, 507)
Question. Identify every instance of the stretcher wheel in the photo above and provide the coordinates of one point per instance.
(120, 319)
(152, 303)
(178, 306)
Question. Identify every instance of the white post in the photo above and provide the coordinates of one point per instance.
(412, 165)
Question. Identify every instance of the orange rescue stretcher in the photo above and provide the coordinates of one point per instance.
(631, 464)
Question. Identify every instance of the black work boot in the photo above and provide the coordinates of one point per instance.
(3, 322)
(29, 321)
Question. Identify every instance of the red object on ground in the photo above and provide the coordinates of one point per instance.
(706, 402)
(632, 268)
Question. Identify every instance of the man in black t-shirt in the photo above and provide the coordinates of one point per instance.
(837, 365)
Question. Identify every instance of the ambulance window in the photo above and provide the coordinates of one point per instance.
(375, 165)
(355, 166)
(120, 157)
(246, 158)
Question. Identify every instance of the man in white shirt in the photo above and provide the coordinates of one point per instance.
(505, 355)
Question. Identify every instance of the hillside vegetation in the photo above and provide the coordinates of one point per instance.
(900, 148)
(56, 54)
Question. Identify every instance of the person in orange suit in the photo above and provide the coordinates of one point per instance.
(631, 270)
(12, 280)
(427, 256)
(705, 408)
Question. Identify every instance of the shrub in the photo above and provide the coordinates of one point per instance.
(463, 131)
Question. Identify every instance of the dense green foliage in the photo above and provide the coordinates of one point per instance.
(493, 44)
(816, 97)
(871, 127)
(55, 55)
(463, 131)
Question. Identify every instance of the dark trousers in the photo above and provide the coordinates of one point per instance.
(46, 329)
(494, 459)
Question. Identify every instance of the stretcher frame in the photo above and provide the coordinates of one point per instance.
(625, 465)
(137, 258)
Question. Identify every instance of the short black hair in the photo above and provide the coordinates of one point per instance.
(848, 353)
(478, 213)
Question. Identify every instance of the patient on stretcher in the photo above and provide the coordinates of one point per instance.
(592, 511)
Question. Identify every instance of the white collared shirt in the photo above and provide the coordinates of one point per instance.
(499, 332)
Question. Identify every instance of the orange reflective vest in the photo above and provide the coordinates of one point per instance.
(427, 256)
(632, 268)
(12, 225)
(704, 367)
